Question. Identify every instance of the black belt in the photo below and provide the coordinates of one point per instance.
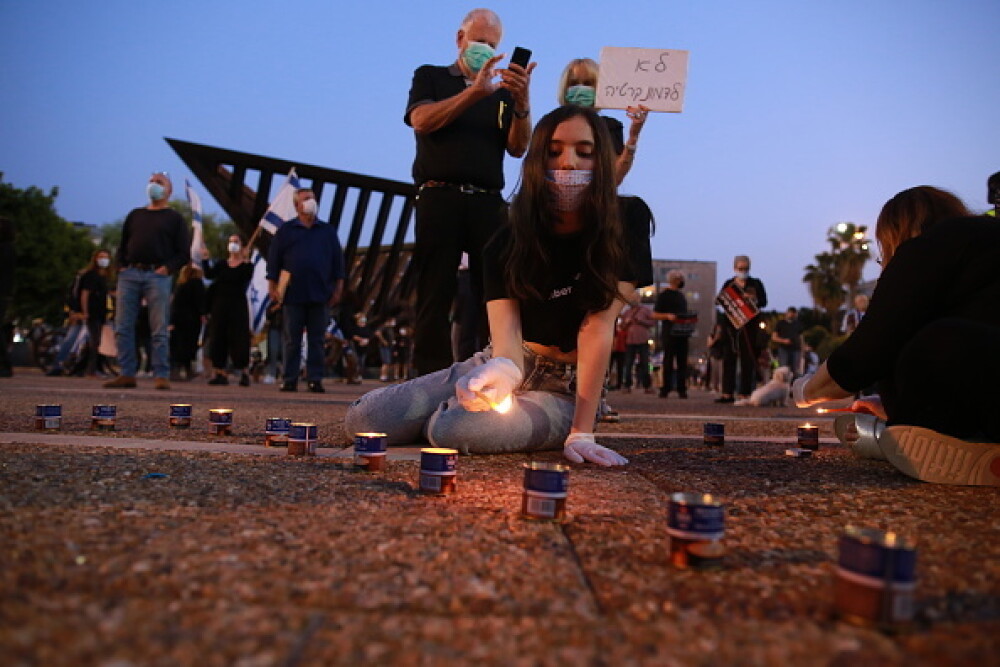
(143, 267)
(464, 188)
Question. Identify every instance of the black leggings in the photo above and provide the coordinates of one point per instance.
(947, 378)
(230, 337)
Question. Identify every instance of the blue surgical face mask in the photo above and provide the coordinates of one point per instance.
(476, 54)
(581, 96)
(155, 191)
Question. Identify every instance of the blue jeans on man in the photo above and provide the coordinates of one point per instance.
(789, 356)
(313, 317)
(133, 285)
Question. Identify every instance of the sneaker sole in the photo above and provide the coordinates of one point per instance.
(941, 459)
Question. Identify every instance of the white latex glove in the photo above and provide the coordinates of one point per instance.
(799, 391)
(580, 446)
(487, 385)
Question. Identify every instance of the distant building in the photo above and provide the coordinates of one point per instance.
(700, 290)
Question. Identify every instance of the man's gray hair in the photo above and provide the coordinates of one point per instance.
(488, 15)
(674, 276)
(741, 258)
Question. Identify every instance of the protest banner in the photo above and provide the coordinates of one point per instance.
(655, 78)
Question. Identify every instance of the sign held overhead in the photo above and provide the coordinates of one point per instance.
(655, 78)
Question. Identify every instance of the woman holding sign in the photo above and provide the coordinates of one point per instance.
(555, 280)
(578, 85)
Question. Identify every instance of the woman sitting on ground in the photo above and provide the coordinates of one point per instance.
(935, 302)
(555, 280)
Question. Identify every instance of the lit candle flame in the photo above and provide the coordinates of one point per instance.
(504, 406)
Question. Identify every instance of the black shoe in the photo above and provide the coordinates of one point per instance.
(55, 372)
(219, 379)
(244, 380)
(725, 399)
(682, 395)
(289, 386)
(316, 387)
(664, 394)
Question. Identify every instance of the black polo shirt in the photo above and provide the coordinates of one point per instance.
(470, 149)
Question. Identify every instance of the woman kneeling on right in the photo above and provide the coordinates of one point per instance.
(930, 340)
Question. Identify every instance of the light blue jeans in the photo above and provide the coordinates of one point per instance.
(133, 285)
(426, 409)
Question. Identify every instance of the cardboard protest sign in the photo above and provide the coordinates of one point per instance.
(655, 78)
(739, 307)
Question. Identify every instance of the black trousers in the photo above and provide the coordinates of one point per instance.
(739, 345)
(448, 223)
(946, 379)
(675, 353)
(230, 337)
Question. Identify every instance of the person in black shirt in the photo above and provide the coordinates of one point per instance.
(556, 278)
(740, 344)
(463, 122)
(675, 331)
(94, 305)
(788, 336)
(187, 318)
(155, 243)
(935, 303)
(229, 319)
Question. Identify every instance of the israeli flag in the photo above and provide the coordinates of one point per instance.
(282, 208)
(197, 235)
(280, 211)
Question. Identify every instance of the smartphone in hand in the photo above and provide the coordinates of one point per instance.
(521, 56)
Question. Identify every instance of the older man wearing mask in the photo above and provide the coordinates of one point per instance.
(154, 244)
(740, 345)
(305, 273)
(464, 121)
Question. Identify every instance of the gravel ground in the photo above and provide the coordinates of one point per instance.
(231, 558)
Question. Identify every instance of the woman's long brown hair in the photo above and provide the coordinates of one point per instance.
(533, 219)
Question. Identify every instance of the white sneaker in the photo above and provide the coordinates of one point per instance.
(941, 459)
(268, 379)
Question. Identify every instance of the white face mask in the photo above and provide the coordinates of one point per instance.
(104, 262)
(567, 187)
(309, 207)
(234, 247)
(742, 275)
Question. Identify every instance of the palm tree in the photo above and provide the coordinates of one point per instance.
(849, 245)
(825, 286)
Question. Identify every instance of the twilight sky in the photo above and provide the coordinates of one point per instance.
(798, 115)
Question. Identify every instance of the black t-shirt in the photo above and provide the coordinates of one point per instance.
(555, 319)
(97, 298)
(790, 330)
(468, 150)
(670, 301)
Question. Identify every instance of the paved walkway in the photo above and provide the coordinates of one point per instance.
(224, 558)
